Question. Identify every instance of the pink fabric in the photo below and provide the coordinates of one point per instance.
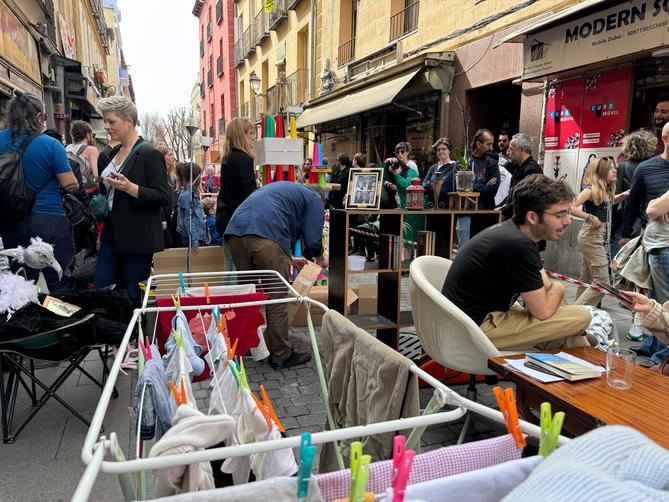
(198, 331)
(426, 466)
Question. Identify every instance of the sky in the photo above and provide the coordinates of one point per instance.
(160, 43)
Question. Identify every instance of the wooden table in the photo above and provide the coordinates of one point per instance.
(463, 201)
(591, 403)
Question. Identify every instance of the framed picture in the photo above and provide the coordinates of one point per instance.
(364, 187)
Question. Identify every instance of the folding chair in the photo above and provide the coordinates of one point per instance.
(59, 345)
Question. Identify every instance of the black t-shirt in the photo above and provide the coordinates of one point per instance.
(492, 270)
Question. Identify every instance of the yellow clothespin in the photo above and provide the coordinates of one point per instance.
(550, 429)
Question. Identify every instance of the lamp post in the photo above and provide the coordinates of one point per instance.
(192, 129)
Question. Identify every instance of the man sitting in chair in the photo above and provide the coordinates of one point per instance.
(503, 262)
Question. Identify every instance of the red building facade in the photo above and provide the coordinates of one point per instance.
(216, 71)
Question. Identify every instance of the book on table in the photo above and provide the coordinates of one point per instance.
(567, 369)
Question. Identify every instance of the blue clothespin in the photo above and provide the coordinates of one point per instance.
(307, 454)
(234, 371)
(183, 284)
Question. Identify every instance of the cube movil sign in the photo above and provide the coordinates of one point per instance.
(627, 28)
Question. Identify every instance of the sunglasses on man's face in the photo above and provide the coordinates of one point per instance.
(401, 150)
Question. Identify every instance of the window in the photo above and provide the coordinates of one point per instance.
(347, 25)
(222, 104)
(219, 11)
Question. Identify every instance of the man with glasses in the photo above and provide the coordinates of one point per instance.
(520, 154)
(502, 263)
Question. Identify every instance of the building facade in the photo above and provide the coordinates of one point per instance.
(195, 100)
(216, 72)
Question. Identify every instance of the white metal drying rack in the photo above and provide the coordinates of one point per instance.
(96, 445)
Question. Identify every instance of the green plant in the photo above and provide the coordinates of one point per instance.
(461, 158)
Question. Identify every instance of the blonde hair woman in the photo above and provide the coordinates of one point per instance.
(238, 178)
(596, 200)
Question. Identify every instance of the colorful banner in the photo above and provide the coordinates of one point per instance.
(17, 46)
(563, 115)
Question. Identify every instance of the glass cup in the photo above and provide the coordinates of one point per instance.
(620, 367)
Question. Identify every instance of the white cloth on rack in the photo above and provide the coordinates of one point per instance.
(260, 352)
(275, 489)
(191, 431)
(273, 463)
(612, 463)
(483, 485)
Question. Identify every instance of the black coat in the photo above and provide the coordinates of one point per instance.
(137, 222)
(337, 197)
(238, 181)
(530, 166)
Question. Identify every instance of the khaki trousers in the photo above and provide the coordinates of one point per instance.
(592, 244)
(516, 329)
(250, 252)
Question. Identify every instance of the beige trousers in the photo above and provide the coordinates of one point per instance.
(516, 329)
(592, 244)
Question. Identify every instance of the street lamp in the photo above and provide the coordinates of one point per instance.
(255, 81)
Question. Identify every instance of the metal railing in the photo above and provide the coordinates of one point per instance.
(248, 45)
(297, 84)
(219, 66)
(346, 52)
(239, 57)
(209, 31)
(261, 26)
(293, 3)
(278, 14)
(245, 110)
(405, 21)
(210, 81)
(274, 104)
(258, 108)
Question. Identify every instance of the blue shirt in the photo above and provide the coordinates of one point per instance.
(42, 161)
(198, 230)
(283, 212)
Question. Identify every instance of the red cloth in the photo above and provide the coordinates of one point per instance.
(244, 326)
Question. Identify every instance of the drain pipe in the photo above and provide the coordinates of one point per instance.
(541, 154)
(312, 47)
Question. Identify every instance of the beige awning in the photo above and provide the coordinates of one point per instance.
(356, 102)
(519, 35)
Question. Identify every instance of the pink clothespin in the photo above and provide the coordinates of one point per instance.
(146, 349)
(402, 461)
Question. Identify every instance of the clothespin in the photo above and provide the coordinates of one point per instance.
(242, 374)
(507, 405)
(550, 429)
(182, 283)
(222, 325)
(177, 301)
(232, 350)
(262, 409)
(402, 461)
(145, 348)
(233, 370)
(270, 409)
(361, 479)
(179, 395)
(307, 454)
(206, 292)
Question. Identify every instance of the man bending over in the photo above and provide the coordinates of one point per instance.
(503, 262)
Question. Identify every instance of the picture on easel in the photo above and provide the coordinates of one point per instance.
(364, 188)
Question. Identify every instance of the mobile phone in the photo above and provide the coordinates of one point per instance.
(614, 291)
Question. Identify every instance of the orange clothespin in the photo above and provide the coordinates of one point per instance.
(179, 395)
(507, 405)
(270, 409)
(232, 350)
(262, 409)
(223, 326)
(206, 292)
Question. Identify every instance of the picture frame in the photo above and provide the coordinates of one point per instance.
(364, 188)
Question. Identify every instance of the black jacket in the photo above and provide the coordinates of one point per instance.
(337, 197)
(487, 192)
(521, 172)
(137, 222)
(238, 181)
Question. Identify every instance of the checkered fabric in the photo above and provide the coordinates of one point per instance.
(426, 466)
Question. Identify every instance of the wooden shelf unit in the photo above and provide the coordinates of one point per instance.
(389, 318)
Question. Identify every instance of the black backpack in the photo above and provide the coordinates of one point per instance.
(16, 199)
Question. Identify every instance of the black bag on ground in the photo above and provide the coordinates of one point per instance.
(16, 199)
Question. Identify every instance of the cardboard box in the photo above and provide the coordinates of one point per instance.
(367, 298)
(320, 294)
(175, 260)
(279, 151)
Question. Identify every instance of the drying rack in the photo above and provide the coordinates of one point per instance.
(97, 445)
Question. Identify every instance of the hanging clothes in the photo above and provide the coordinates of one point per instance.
(368, 381)
(191, 431)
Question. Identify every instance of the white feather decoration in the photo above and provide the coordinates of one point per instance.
(15, 293)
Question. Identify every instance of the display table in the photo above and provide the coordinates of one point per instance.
(592, 403)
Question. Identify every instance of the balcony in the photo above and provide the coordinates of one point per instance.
(202, 89)
(221, 126)
(261, 27)
(248, 45)
(278, 14)
(346, 52)
(275, 102)
(208, 31)
(239, 58)
(212, 131)
(296, 87)
(258, 108)
(404, 22)
(219, 11)
(201, 47)
(292, 4)
(210, 81)
(219, 66)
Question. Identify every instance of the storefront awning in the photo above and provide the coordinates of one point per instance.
(519, 35)
(356, 102)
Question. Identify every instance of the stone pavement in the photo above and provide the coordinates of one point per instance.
(45, 463)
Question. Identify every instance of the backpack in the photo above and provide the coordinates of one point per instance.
(16, 199)
(84, 168)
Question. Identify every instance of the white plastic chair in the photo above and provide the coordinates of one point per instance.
(446, 333)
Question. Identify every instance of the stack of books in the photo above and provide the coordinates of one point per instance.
(390, 251)
(425, 243)
(565, 368)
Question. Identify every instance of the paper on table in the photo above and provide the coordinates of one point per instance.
(519, 365)
(580, 361)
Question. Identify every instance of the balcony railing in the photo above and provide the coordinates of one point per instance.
(261, 26)
(278, 14)
(202, 89)
(346, 52)
(219, 11)
(274, 101)
(258, 108)
(293, 3)
(210, 81)
(296, 87)
(201, 47)
(248, 42)
(208, 31)
(221, 126)
(405, 21)
(239, 58)
(212, 131)
(219, 66)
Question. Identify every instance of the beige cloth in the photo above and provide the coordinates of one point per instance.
(518, 330)
(368, 382)
(191, 431)
(592, 243)
(657, 321)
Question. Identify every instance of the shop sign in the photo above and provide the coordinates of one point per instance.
(17, 46)
(67, 38)
(624, 29)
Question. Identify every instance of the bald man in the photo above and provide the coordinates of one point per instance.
(660, 118)
(650, 181)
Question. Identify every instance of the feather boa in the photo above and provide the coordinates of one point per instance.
(15, 293)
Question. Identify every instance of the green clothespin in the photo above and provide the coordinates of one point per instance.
(550, 429)
(179, 339)
(177, 301)
(361, 479)
(242, 375)
(355, 456)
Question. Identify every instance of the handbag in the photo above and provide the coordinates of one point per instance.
(77, 212)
